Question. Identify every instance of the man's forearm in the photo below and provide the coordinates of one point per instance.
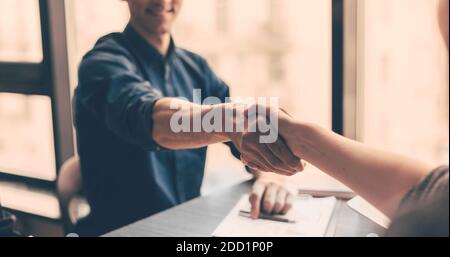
(380, 177)
(169, 113)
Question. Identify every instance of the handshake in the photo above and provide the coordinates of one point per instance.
(258, 136)
(256, 130)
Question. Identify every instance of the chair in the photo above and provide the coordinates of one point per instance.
(69, 186)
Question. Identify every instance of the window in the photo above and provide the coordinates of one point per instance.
(404, 76)
(26, 136)
(26, 125)
(20, 34)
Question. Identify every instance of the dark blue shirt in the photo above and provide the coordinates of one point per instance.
(126, 175)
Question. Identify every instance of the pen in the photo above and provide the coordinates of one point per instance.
(266, 217)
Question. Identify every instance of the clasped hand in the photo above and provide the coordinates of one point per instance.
(274, 157)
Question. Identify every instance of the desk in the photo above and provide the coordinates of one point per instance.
(200, 217)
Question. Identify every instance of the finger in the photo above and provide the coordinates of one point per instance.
(289, 157)
(255, 199)
(272, 162)
(276, 151)
(269, 197)
(244, 161)
(302, 165)
(258, 165)
(272, 169)
(285, 154)
(260, 155)
(253, 162)
(280, 201)
(288, 204)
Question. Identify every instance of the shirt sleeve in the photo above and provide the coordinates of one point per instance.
(424, 210)
(113, 91)
(218, 88)
(433, 184)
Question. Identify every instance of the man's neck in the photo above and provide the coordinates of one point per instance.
(160, 41)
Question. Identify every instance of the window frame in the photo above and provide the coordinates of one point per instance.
(346, 55)
(337, 66)
(50, 78)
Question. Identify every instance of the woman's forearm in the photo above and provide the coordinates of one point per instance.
(380, 177)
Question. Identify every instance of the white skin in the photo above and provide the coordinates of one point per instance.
(380, 177)
(153, 19)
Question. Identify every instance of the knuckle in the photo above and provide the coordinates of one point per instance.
(253, 198)
(286, 209)
(270, 184)
(294, 162)
(277, 206)
(267, 205)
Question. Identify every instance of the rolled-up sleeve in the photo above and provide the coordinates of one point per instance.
(113, 91)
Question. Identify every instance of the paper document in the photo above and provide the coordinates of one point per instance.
(362, 206)
(311, 216)
(317, 183)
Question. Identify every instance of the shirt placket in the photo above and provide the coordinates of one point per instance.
(167, 81)
(170, 91)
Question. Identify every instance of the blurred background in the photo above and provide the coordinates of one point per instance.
(382, 81)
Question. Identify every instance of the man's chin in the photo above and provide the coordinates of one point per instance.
(161, 30)
(164, 30)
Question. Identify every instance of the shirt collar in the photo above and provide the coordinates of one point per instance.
(145, 47)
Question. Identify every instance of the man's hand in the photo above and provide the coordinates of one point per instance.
(270, 196)
(274, 157)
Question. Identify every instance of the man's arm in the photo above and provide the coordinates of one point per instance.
(171, 112)
(381, 178)
(167, 110)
